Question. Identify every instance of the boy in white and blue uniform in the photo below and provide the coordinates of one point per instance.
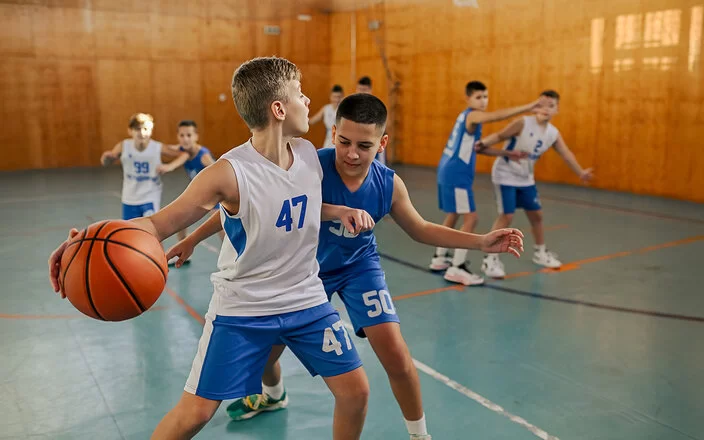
(142, 168)
(456, 177)
(266, 291)
(514, 181)
(350, 264)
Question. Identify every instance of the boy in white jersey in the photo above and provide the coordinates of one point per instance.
(514, 182)
(327, 115)
(142, 168)
(267, 290)
(349, 264)
(456, 177)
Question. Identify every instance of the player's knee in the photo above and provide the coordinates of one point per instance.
(535, 217)
(194, 414)
(398, 363)
(354, 397)
(506, 218)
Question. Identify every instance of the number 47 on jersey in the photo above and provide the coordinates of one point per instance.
(288, 211)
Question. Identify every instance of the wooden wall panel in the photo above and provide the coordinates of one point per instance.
(16, 37)
(176, 95)
(63, 33)
(630, 76)
(124, 88)
(222, 127)
(75, 70)
(223, 40)
(123, 35)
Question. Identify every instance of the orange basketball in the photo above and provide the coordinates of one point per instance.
(113, 270)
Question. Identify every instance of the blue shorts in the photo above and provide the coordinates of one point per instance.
(135, 211)
(508, 198)
(366, 297)
(233, 350)
(455, 199)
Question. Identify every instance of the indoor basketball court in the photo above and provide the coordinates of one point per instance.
(605, 347)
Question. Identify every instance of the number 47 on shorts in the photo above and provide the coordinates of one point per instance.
(330, 342)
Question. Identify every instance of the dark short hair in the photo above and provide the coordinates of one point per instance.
(188, 123)
(362, 108)
(365, 81)
(551, 94)
(337, 89)
(474, 86)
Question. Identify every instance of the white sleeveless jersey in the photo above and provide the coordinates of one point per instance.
(329, 121)
(267, 262)
(141, 183)
(534, 139)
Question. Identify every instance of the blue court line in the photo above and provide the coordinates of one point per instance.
(543, 296)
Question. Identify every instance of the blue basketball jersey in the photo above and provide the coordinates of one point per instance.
(195, 165)
(457, 164)
(339, 250)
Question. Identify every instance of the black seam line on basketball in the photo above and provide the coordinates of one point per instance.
(138, 303)
(559, 299)
(79, 242)
(134, 249)
(90, 250)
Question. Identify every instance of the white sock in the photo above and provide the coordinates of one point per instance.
(459, 258)
(492, 255)
(417, 427)
(275, 392)
(540, 248)
(440, 252)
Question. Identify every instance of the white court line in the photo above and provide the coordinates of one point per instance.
(483, 401)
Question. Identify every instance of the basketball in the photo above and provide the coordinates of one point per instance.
(113, 270)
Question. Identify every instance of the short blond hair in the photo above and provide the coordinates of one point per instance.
(259, 82)
(137, 120)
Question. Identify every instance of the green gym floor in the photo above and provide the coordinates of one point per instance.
(608, 348)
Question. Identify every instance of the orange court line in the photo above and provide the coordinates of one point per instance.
(70, 316)
(567, 266)
(555, 227)
(427, 292)
(182, 302)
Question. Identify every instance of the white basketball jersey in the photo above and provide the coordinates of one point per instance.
(141, 183)
(267, 262)
(329, 121)
(534, 139)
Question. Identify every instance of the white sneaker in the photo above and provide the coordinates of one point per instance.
(440, 263)
(421, 437)
(493, 267)
(547, 259)
(462, 275)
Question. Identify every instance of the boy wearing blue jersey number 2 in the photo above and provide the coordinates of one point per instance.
(350, 264)
(267, 290)
(456, 176)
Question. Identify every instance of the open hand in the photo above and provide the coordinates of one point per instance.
(183, 250)
(55, 263)
(508, 240)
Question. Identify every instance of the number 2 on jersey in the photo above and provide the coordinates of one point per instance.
(286, 215)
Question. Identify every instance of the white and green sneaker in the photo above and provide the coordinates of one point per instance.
(248, 407)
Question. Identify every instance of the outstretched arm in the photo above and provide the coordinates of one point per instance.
(568, 156)
(511, 130)
(110, 156)
(423, 231)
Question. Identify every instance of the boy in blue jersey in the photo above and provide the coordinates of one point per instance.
(198, 158)
(349, 263)
(456, 176)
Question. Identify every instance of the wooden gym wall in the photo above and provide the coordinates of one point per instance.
(630, 75)
(73, 71)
